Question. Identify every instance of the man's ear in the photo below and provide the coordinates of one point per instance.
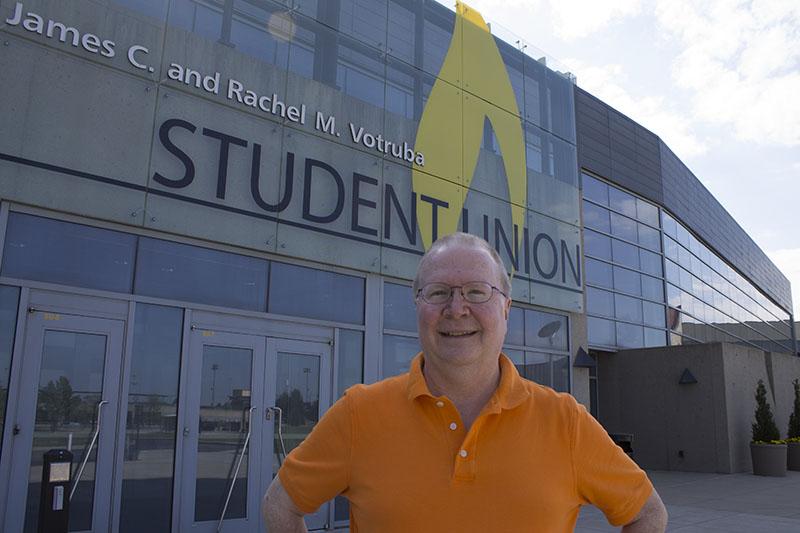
(507, 308)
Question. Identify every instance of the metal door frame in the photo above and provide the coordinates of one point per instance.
(24, 391)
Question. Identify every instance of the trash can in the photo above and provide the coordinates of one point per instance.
(54, 501)
(624, 441)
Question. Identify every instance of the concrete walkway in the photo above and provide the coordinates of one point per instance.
(719, 502)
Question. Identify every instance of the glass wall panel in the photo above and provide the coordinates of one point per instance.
(399, 311)
(625, 254)
(312, 293)
(649, 237)
(653, 314)
(351, 359)
(9, 300)
(601, 332)
(628, 308)
(49, 250)
(629, 336)
(654, 337)
(149, 457)
(397, 354)
(183, 272)
(650, 262)
(518, 358)
(594, 190)
(627, 281)
(560, 373)
(598, 273)
(599, 302)
(646, 212)
(623, 227)
(546, 330)
(596, 245)
(537, 368)
(516, 327)
(652, 288)
(622, 201)
(596, 217)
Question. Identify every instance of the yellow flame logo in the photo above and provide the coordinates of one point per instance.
(448, 108)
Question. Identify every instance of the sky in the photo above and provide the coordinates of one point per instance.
(717, 80)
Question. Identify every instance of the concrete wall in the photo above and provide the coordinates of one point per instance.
(701, 427)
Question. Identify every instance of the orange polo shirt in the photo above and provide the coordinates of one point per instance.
(401, 456)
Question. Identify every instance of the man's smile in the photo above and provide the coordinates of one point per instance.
(464, 333)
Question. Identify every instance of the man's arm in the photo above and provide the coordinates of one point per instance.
(651, 519)
(280, 513)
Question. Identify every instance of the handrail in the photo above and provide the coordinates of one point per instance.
(236, 471)
(89, 450)
(280, 433)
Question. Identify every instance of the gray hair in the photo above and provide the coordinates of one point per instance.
(468, 240)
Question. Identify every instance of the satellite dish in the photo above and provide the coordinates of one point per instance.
(550, 329)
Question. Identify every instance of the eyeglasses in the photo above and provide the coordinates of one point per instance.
(475, 292)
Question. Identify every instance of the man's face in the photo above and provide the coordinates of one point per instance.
(458, 332)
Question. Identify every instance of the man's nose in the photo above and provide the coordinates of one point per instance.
(457, 305)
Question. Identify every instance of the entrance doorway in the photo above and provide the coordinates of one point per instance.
(249, 400)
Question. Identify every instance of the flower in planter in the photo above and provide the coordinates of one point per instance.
(793, 433)
(764, 428)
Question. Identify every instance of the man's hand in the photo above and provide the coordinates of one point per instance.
(651, 519)
(280, 513)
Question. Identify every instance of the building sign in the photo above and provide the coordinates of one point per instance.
(292, 172)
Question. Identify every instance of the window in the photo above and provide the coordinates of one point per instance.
(53, 251)
(313, 293)
(399, 312)
(183, 272)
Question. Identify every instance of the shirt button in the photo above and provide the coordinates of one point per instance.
(453, 426)
(463, 453)
(440, 403)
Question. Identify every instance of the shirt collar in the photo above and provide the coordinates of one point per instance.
(511, 391)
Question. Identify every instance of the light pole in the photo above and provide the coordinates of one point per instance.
(214, 368)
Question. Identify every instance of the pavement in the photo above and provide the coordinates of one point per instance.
(719, 502)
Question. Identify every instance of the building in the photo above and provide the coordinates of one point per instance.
(211, 213)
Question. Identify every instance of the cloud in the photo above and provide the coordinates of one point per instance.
(788, 261)
(741, 64)
(654, 112)
(573, 19)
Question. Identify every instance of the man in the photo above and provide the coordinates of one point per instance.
(462, 442)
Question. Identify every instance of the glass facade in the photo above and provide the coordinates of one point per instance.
(651, 282)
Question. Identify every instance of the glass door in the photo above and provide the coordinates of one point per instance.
(68, 394)
(299, 393)
(222, 438)
(250, 400)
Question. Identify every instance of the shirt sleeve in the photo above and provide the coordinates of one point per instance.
(319, 468)
(605, 476)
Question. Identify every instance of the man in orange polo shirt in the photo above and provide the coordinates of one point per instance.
(462, 442)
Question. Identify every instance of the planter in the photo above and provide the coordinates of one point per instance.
(768, 459)
(793, 456)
